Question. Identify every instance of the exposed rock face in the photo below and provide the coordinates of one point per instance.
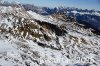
(30, 39)
(63, 17)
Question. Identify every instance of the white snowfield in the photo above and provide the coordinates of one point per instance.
(45, 18)
(78, 47)
(82, 13)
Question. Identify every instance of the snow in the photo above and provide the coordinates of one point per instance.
(82, 13)
(4, 9)
(96, 13)
(5, 46)
(45, 18)
(74, 12)
(8, 51)
(22, 51)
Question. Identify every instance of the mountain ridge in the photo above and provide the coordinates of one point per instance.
(30, 39)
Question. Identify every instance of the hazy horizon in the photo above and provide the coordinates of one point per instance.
(83, 4)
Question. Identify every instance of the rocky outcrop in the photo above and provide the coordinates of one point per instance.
(49, 40)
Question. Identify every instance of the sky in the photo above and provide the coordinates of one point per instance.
(84, 4)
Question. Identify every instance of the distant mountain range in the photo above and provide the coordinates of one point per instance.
(90, 18)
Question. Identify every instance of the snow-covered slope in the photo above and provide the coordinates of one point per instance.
(90, 18)
(30, 39)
